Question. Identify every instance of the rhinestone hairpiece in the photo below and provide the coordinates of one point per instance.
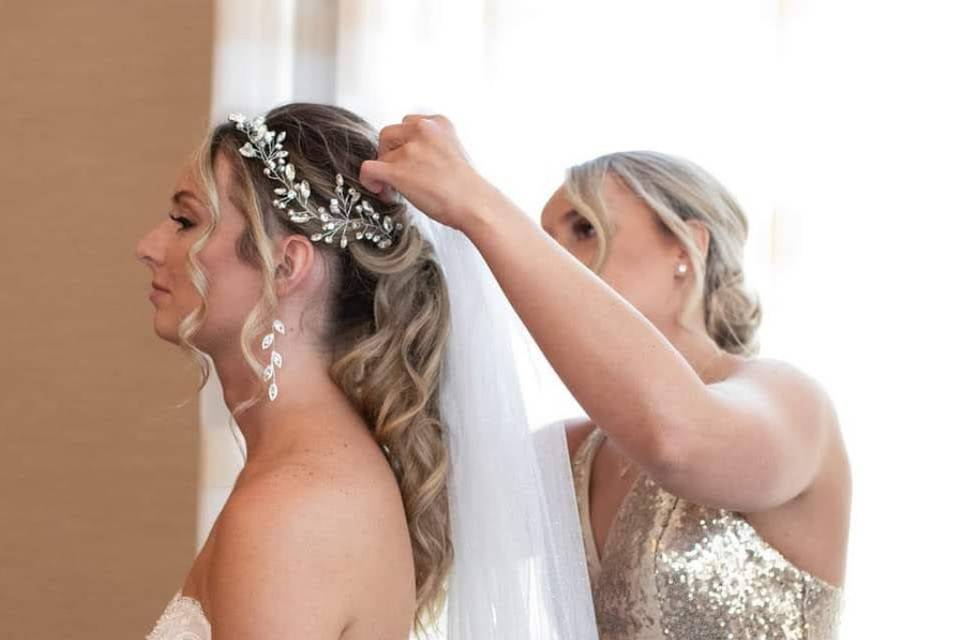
(348, 217)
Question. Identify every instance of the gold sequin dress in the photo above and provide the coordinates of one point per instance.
(674, 570)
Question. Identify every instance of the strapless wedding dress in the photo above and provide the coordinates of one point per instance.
(183, 619)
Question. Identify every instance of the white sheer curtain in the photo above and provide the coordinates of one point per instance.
(864, 282)
(833, 121)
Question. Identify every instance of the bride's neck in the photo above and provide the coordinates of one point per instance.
(306, 401)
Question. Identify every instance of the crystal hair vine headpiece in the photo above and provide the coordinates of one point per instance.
(348, 217)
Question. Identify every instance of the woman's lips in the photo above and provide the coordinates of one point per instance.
(158, 291)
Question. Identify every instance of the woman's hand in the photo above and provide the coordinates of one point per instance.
(422, 159)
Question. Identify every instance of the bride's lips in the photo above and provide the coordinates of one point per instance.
(158, 291)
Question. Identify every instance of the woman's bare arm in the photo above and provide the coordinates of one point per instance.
(750, 443)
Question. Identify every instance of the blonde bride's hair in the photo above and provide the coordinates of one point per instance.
(383, 313)
(678, 191)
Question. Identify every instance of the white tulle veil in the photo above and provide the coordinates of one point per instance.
(519, 569)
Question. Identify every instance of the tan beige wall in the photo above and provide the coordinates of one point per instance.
(100, 102)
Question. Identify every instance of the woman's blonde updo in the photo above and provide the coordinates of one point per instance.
(677, 190)
(383, 313)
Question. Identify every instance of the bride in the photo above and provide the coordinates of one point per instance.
(362, 352)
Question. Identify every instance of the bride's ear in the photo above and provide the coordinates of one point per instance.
(295, 263)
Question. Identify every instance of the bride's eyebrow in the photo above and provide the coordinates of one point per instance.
(182, 193)
(183, 196)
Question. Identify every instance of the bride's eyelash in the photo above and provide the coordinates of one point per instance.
(183, 222)
(583, 229)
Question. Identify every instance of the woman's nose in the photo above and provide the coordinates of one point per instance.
(149, 248)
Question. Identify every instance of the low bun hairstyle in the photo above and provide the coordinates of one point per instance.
(677, 191)
(382, 313)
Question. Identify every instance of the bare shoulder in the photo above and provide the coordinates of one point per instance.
(821, 508)
(785, 386)
(798, 405)
(298, 544)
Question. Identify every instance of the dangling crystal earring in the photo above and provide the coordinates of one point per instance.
(276, 360)
(681, 269)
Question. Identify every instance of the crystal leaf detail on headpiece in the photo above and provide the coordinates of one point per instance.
(348, 217)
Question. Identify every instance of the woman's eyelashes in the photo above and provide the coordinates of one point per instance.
(184, 223)
(582, 229)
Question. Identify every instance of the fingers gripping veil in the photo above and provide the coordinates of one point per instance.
(519, 571)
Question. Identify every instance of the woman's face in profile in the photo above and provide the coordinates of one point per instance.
(641, 256)
(232, 286)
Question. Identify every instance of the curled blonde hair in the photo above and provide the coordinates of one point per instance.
(382, 313)
(678, 191)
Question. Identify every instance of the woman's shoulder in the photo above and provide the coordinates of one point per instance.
(793, 399)
(305, 530)
(785, 380)
(321, 492)
(274, 553)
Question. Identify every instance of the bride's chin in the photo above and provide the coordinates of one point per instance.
(165, 335)
(165, 329)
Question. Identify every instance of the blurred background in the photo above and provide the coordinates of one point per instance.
(835, 123)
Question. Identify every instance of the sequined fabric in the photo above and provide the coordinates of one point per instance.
(183, 619)
(674, 570)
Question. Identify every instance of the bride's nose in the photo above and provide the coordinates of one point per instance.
(149, 249)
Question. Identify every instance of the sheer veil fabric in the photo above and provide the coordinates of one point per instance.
(519, 568)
